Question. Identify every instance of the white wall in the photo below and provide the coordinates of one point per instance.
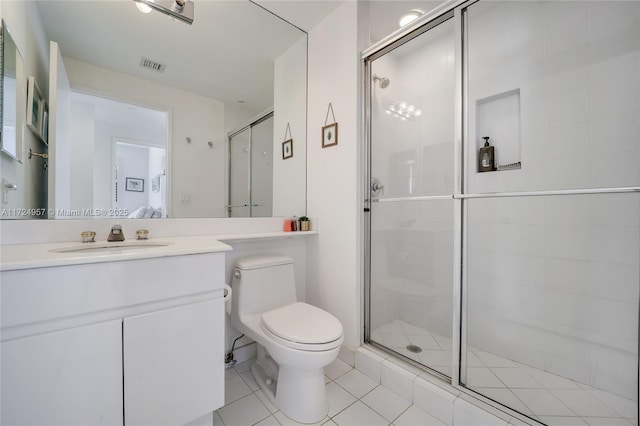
(157, 158)
(237, 115)
(290, 91)
(82, 150)
(197, 171)
(333, 174)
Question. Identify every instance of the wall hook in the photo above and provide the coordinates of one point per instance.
(210, 144)
(188, 139)
(36, 154)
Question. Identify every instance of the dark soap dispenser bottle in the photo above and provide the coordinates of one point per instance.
(487, 159)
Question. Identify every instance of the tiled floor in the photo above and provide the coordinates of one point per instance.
(354, 399)
(552, 399)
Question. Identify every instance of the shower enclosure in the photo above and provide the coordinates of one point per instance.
(515, 275)
(251, 169)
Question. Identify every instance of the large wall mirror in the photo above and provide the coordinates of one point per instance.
(141, 109)
(10, 88)
(12, 116)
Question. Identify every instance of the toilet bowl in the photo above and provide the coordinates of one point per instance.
(295, 340)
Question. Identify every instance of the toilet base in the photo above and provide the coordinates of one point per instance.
(300, 394)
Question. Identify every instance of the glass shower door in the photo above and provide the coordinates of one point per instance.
(552, 237)
(251, 170)
(412, 209)
(239, 174)
(262, 168)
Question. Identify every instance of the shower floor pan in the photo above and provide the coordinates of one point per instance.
(552, 399)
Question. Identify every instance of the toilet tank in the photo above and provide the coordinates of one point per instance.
(262, 283)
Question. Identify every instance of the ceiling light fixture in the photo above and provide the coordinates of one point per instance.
(403, 110)
(409, 17)
(181, 10)
(143, 7)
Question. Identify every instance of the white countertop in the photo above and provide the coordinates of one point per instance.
(26, 256)
(265, 235)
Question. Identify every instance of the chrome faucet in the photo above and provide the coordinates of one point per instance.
(116, 233)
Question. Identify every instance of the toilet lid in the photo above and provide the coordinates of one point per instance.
(302, 323)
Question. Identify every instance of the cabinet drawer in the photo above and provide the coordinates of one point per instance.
(44, 294)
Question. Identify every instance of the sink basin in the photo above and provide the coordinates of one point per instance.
(114, 247)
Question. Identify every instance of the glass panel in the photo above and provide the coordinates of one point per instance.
(552, 305)
(555, 87)
(411, 280)
(262, 168)
(412, 127)
(239, 163)
(413, 115)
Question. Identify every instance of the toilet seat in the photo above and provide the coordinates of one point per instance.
(302, 326)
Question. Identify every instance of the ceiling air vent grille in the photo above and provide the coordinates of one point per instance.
(152, 65)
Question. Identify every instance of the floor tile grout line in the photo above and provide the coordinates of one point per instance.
(378, 384)
(592, 393)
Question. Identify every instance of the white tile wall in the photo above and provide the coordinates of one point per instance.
(369, 363)
(399, 380)
(465, 413)
(553, 282)
(433, 400)
(577, 65)
(442, 404)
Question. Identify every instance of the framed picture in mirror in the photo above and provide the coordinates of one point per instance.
(287, 149)
(44, 129)
(134, 184)
(35, 107)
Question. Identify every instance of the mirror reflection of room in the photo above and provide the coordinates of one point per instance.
(206, 87)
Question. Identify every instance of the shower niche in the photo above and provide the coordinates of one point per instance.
(497, 138)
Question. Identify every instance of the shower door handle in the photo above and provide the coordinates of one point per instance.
(377, 189)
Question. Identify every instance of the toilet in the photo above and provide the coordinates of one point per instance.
(295, 340)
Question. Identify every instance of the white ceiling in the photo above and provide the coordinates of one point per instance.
(304, 14)
(385, 14)
(226, 54)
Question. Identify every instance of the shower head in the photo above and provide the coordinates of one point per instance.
(383, 82)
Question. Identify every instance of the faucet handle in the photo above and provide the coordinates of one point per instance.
(116, 233)
(88, 236)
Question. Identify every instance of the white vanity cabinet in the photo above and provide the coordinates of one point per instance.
(68, 377)
(167, 353)
(135, 342)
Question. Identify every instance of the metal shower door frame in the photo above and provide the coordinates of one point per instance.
(452, 9)
(252, 123)
(422, 25)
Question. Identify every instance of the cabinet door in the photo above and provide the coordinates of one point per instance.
(68, 377)
(173, 364)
